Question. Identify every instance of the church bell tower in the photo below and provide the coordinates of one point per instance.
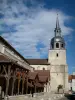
(57, 59)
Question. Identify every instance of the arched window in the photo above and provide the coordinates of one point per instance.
(57, 55)
(57, 45)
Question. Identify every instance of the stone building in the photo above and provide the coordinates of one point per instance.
(56, 61)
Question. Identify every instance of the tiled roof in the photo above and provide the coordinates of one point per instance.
(39, 85)
(43, 79)
(30, 85)
(38, 61)
(32, 75)
(70, 77)
(43, 72)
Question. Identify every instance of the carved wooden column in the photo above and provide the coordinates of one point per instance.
(23, 80)
(26, 82)
(7, 80)
(27, 85)
(23, 85)
(19, 84)
(14, 78)
(35, 88)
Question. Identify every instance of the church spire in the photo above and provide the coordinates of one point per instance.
(57, 22)
(57, 29)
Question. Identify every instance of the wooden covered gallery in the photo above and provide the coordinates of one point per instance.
(16, 74)
(14, 70)
(38, 79)
(15, 79)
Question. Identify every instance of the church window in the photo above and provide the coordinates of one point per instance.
(62, 45)
(57, 45)
(57, 55)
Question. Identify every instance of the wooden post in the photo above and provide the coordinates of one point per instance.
(27, 85)
(35, 88)
(7, 80)
(46, 87)
(14, 77)
(18, 85)
(22, 85)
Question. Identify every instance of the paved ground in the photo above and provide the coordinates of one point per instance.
(46, 96)
(64, 98)
(50, 97)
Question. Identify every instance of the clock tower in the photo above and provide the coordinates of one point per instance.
(57, 58)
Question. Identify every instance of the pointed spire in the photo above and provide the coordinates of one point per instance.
(57, 29)
(57, 23)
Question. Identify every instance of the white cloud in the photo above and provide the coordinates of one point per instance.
(33, 26)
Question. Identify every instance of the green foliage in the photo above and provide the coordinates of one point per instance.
(60, 87)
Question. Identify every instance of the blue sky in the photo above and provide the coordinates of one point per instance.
(28, 25)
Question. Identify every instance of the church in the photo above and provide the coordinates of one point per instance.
(56, 62)
(19, 75)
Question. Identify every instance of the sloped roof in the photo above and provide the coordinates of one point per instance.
(4, 58)
(30, 85)
(39, 85)
(8, 45)
(43, 79)
(70, 77)
(32, 75)
(44, 75)
(43, 72)
(38, 61)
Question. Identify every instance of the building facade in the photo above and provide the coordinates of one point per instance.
(56, 61)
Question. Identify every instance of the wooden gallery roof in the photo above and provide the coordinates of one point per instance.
(38, 61)
(43, 75)
(32, 75)
(8, 45)
(6, 60)
(43, 72)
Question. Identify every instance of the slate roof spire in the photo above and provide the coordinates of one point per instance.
(57, 29)
(57, 22)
